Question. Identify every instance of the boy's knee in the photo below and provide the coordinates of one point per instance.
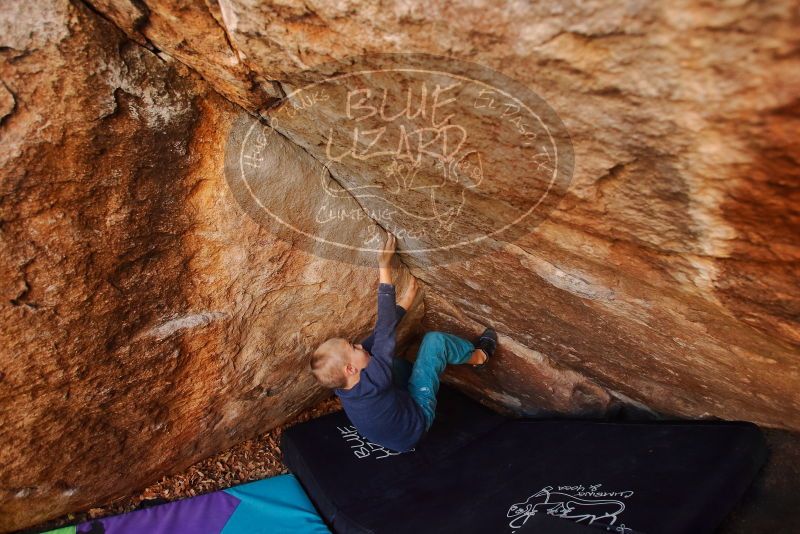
(433, 338)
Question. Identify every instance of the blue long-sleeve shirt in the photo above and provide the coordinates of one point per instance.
(382, 413)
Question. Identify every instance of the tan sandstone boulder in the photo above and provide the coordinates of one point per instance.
(667, 274)
(147, 322)
(168, 260)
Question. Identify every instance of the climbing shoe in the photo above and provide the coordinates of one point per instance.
(487, 342)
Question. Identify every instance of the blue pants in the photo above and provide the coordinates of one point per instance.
(436, 351)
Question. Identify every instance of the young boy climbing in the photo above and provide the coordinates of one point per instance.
(365, 375)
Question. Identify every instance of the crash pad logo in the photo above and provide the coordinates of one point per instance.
(449, 156)
(582, 504)
(363, 448)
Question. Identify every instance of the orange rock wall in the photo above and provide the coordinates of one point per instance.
(149, 321)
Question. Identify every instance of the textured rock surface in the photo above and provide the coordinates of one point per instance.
(668, 274)
(146, 321)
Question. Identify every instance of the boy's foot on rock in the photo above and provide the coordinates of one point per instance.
(485, 346)
(477, 358)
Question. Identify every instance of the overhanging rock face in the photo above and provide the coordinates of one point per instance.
(153, 313)
(667, 274)
(147, 322)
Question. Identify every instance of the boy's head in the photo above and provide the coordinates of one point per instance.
(337, 362)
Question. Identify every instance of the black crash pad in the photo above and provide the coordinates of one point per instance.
(478, 472)
(328, 450)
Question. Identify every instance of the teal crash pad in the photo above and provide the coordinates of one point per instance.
(272, 505)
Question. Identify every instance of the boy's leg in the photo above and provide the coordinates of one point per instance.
(436, 351)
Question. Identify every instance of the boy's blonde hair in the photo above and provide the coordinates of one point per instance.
(327, 362)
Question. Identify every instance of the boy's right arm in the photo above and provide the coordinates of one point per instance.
(384, 334)
(385, 260)
(369, 341)
(403, 305)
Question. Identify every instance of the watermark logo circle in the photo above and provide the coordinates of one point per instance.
(450, 156)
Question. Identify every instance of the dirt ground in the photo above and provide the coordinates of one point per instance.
(251, 460)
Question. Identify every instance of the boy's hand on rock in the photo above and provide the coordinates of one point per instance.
(385, 255)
